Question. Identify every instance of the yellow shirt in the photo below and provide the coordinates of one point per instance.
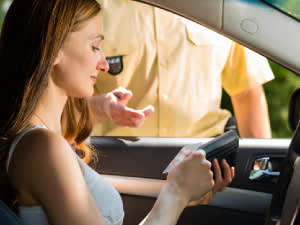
(175, 65)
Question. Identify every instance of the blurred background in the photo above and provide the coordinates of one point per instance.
(277, 91)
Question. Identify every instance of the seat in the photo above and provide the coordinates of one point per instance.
(8, 217)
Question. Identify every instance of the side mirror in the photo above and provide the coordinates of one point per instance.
(294, 109)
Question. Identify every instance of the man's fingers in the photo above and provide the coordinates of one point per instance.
(131, 118)
(123, 95)
(148, 110)
(133, 114)
(121, 90)
(124, 116)
(124, 98)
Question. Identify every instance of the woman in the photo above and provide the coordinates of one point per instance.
(50, 56)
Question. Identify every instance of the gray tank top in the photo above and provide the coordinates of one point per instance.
(107, 198)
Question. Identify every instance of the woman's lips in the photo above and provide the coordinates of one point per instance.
(94, 79)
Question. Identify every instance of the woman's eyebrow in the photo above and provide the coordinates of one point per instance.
(96, 37)
(100, 36)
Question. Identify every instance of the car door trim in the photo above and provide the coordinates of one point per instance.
(274, 143)
(230, 198)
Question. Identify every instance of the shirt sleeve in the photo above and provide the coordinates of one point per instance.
(244, 69)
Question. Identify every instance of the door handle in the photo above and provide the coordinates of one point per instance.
(262, 170)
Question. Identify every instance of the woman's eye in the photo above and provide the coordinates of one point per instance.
(95, 49)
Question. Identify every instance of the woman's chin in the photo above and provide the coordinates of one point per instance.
(84, 94)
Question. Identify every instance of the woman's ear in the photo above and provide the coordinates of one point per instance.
(58, 58)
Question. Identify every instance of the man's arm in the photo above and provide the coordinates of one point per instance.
(251, 113)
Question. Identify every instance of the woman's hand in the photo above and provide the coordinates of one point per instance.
(191, 176)
(189, 179)
(222, 177)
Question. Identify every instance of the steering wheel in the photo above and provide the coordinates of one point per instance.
(285, 204)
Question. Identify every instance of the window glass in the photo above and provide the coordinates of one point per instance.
(291, 7)
(177, 66)
(4, 5)
(180, 68)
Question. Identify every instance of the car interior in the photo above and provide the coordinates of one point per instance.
(266, 186)
(265, 169)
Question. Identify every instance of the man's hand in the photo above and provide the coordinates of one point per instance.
(113, 106)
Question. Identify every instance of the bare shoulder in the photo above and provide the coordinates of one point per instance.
(40, 145)
(46, 172)
(41, 137)
(39, 156)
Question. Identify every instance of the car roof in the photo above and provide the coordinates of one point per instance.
(253, 23)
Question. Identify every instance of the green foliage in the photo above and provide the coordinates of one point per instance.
(4, 4)
(278, 94)
(291, 7)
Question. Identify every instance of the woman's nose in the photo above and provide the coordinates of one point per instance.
(103, 65)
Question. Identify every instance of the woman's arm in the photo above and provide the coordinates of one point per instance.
(187, 181)
(169, 204)
(49, 172)
(167, 207)
(52, 176)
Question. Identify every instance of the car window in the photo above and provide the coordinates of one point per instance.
(290, 7)
(176, 97)
(4, 5)
(124, 47)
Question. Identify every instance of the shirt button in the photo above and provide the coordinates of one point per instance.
(162, 65)
(165, 97)
(164, 131)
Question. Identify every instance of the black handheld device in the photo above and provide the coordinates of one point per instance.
(223, 146)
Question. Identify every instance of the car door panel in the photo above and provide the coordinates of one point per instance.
(134, 166)
(208, 12)
(256, 24)
(137, 207)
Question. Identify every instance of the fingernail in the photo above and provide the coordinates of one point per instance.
(201, 151)
(187, 150)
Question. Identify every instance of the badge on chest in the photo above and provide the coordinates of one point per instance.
(115, 65)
